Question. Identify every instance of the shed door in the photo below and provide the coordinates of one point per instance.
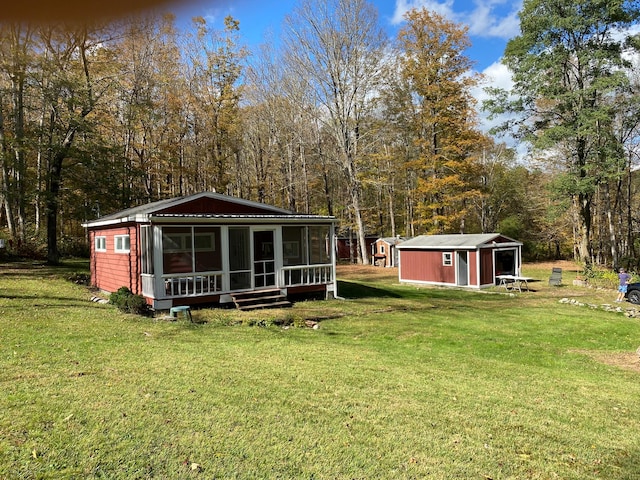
(462, 262)
(264, 262)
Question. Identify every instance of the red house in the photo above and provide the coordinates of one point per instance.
(347, 247)
(207, 247)
(470, 260)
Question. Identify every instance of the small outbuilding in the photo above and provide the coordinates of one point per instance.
(467, 260)
(347, 246)
(384, 252)
(208, 247)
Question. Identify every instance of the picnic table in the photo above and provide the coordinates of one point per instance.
(514, 282)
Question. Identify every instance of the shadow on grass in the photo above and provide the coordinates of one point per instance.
(627, 462)
(27, 269)
(358, 290)
(42, 301)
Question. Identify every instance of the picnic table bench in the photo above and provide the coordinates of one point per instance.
(514, 282)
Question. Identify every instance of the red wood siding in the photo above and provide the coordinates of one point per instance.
(473, 268)
(111, 270)
(486, 266)
(211, 206)
(426, 266)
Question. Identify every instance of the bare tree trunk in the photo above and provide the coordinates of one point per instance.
(613, 241)
(392, 212)
(363, 254)
(5, 185)
(584, 228)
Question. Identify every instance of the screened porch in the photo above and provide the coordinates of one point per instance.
(205, 260)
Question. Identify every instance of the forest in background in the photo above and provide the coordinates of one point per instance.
(338, 119)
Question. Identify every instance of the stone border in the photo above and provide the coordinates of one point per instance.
(630, 312)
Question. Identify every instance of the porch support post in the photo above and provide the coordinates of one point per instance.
(157, 262)
(277, 256)
(334, 253)
(224, 246)
(519, 255)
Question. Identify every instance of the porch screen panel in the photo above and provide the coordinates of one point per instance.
(146, 249)
(239, 258)
(206, 244)
(294, 242)
(177, 244)
(319, 245)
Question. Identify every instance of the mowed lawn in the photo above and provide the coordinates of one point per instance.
(397, 382)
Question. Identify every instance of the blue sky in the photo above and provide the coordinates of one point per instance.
(491, 22)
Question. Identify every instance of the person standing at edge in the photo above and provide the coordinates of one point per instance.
(625, 279)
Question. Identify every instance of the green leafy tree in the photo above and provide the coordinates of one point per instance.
(73, 84)
(567, 65)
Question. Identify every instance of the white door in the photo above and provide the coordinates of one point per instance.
(462, 266)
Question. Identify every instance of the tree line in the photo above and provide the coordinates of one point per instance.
(338, 119)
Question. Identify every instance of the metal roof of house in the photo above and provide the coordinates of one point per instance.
(472, 240)
(146, 212)
(393, 240)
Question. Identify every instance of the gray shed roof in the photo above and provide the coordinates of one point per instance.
(472, 240)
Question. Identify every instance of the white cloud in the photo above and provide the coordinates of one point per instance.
(497, 75)
(444, 8)
(485, 18)
(483, 21)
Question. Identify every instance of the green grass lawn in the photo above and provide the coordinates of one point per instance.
(397, 382)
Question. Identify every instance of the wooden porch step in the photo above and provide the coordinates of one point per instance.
(260, 299)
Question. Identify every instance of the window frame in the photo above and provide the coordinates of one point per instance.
(447, 259)
(100, 243)
(121, 248)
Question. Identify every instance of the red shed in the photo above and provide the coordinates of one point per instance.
(204, 248)
(384, 251)
(469, 260)
(347, 247)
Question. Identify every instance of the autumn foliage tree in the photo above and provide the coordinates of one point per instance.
(440, 80)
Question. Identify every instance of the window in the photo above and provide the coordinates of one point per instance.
(447, 259)
(207, 253)
(122, 244)
(100, 244)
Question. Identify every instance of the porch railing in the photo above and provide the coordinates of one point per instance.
(307, 275)
(192, 284)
